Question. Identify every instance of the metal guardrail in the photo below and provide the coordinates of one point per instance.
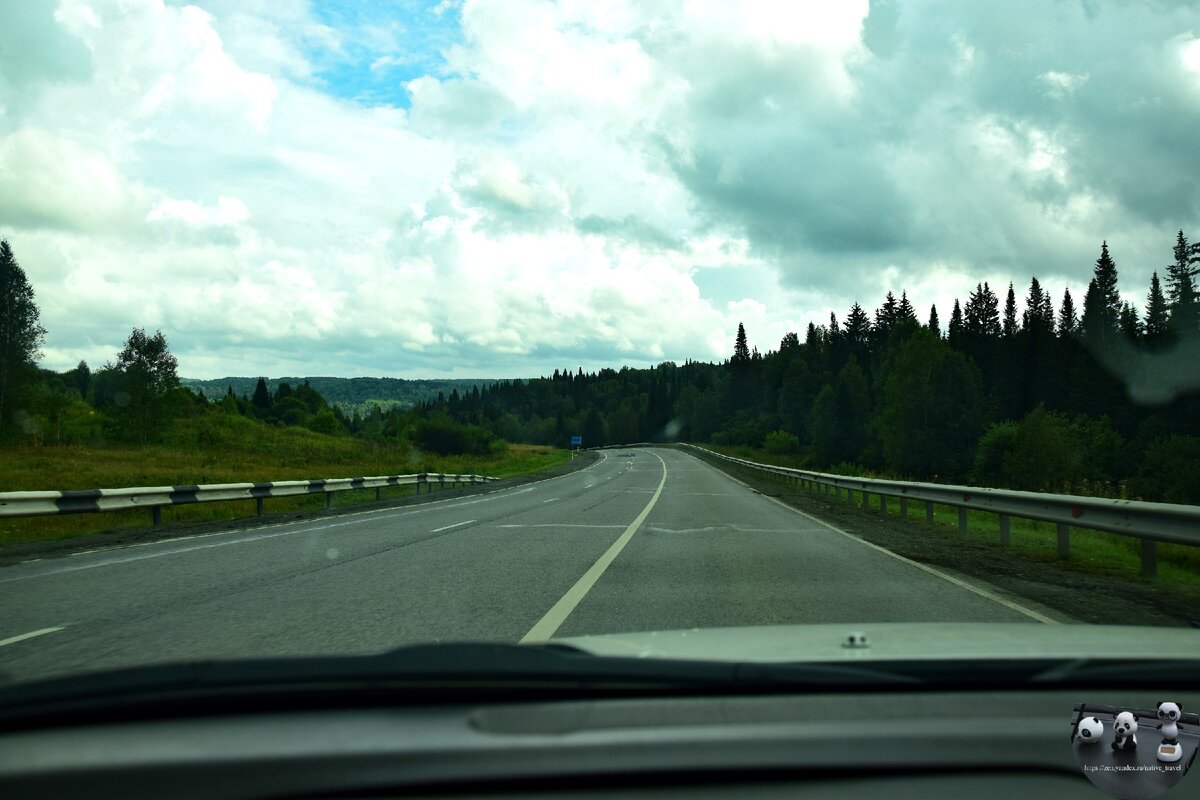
(1149, 522)
(89, 501)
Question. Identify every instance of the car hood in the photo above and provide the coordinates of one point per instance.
(898, 641)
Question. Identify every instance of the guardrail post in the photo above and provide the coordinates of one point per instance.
(155, 515)
(904, 506)
(1004, 529)
(329, 500)
(378, 489)
(883, 503)
(1064, 540)
(258, 503)
(962, 520)
(929, 511)
(1149, 558)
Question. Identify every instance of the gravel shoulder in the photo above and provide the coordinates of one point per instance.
(1080, 595)
(127, 537)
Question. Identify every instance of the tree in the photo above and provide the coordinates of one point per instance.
(741, 351)
(955, 335)
(839, 417)
(1157, 321)
(146, 375)
(21, 336)
(1181, 285)
(931, 412)
(1038, 315)
(1068, 322)
(1009, 327)
(262, 396)
(934, 327)
(1102, 304)
(1131, 326)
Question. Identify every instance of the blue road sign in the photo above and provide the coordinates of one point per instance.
(576, 441)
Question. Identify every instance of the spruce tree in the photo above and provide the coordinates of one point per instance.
(934, 326)
(1068, 321)
(1039, 309)
(1010, 314)
(262, 395)
(1181, 285)
(1157, 321)
(741, 351)
(955, 335)
(858, 327)
(1103, 314)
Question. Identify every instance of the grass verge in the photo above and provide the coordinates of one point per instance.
(266, 454)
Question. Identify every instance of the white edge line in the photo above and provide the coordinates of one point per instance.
(557, 615)
(30, 635)
(455, 525)
(1009, 604)
(400, 511)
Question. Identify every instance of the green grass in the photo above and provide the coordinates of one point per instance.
(1091, 551)
(228, 450)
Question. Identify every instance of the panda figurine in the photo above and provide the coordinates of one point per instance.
(1125, 730)
(1169, 713)
(1089, 730)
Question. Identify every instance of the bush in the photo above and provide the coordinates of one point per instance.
(781, 443)
(1168, 472)
(445, 437)
(994, 446)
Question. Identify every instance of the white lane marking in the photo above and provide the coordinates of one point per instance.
(559, 525)
(551, 500)
(728, 529)
(448, 527)
(556, 616)
(30, 635)
(388, 513)
(1009, 604)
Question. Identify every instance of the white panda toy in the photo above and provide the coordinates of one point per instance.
(1169, 713)
(1125, 732)
(1089, 730)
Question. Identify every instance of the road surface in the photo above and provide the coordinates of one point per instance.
(644, 539)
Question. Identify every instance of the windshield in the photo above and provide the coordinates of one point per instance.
(328, 328)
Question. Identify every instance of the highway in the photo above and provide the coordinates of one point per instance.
(643, 539)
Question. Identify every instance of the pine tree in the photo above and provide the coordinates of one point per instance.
(1068, 321)
(886, 315)
(981, 317)
(741, 351)
(934, 326)
(1010, 314)
(21, 336)
(1157, 319)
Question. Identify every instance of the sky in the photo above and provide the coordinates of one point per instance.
(500, 188)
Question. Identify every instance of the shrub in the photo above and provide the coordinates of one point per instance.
(781, 443)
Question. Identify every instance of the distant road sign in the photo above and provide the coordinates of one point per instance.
(576, 441)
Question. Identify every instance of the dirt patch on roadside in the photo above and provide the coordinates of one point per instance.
(1083, 596)
(123, 537)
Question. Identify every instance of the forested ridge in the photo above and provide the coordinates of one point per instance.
(1100, 397)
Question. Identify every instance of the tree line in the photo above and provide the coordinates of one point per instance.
(1102, 398)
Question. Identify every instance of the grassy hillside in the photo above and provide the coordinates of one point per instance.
(229, 449)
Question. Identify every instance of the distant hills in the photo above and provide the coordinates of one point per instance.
(350, 394)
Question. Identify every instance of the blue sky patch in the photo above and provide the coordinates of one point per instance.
(386, 43)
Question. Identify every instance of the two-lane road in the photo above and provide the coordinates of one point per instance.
(646, 539)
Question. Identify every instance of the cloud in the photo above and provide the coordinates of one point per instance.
(502, 188)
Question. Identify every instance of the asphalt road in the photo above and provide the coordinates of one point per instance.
(645, 539)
